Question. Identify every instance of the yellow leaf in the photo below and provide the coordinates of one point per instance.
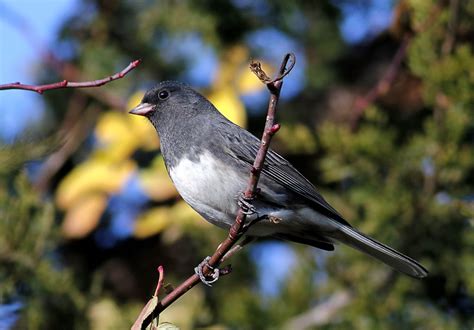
(183, 214)
(231, 61)
(111, 127)
(155, 181)
(116, 138)
(92, 176)
(135, 99)
(84, 216)
(229, 104)
(105, 314)
(152, 222)
(145, 313)
(191, 307)
(167, 220)
(122, 133)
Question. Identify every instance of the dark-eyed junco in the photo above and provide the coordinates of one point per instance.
(209, 159)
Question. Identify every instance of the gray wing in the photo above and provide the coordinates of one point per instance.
(244, 147)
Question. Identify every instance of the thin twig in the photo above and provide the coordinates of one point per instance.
(384, 84)
(237, 229)
(68, 84)
(148, 311)
(161, 279)
(322, 313)
(74, 129)
(389, 76)
(450, 38)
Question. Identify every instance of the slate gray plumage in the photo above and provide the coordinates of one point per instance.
(209, 159)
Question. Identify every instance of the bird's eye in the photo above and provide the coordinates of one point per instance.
(163, 95)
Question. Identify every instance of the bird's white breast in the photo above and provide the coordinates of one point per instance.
(209, 186)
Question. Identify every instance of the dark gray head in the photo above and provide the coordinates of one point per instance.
(172, 103)
(183, 118)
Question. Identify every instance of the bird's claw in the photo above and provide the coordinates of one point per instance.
(246, 205)
(254, 221)
(210, 279)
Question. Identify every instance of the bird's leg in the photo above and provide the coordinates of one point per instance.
(246, 204)
(209, 279)
(216, 271)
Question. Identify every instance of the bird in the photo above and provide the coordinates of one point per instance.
(209, 158)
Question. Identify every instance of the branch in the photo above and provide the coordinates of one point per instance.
(322, 313)
(68, 84)
(389, 76)
(237, 229)
(384, 84)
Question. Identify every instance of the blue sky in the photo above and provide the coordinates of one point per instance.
(19, 57)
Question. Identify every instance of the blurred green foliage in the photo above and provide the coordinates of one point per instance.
(402, 171)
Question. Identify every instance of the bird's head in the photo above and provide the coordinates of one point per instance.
(171, 101)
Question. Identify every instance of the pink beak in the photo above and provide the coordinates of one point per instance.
(143, 109)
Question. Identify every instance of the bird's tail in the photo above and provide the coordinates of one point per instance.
(379, 251)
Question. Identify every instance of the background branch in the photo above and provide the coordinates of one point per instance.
(384, 84)
(322, 313)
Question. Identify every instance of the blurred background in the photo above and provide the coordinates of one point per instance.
(378, 113)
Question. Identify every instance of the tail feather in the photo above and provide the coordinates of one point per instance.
(380, 251)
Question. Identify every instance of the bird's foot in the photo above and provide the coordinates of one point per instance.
(254, 221)
(246, 204)
(210, 279)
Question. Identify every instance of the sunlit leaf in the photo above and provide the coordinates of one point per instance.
(156, 220)
(104, 314)
(190, 306)
(152, 221)
(120, 134)
(84, 216)
(111, 127)
(146, 311)
(183, 216)
(155, 181)
(92, 176)
(167, 326)
(227, 101)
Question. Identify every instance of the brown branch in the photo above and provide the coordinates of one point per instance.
(237, 229)
(386, 81)
(384, 84)
(72, 134)
(322, 313)
(450, 38)
(68, 84)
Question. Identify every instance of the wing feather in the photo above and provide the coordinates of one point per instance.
(245, 147)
